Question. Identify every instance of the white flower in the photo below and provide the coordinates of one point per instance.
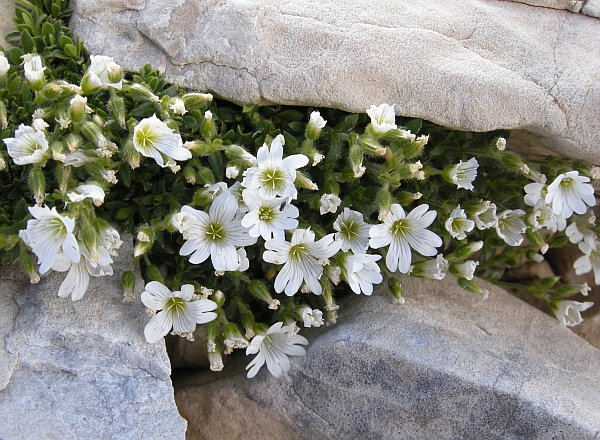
(383, 118)
(568, 312)
(535, 193)
(153, 138)
(268, 218)
(362, 271)
(178, 310)
(311, 317)
(48, 233)
(78, 159)
(92, 191)
(432, 269)
(232, 172)
(215, 234)
(273, 175)
(28, 146)
(77, 280)
(510, 226)
(353, 232)
(595, 173)
(458, 224)
(402, 232)
(274, 347)
(302, 260)
(581, 231)
(484, 215)
(501, 144)
(569, 192)
(208, 115)
(34, 71)
(544, 217)
(178, 107)
(243, 262)
(39, 124)
(589, 261)
(462, 174)
(464, 270)
(317, 121)
(97, 75)
(4, 65)
(329, 203)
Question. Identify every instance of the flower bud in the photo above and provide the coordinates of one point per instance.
(51, 91)
(215, 359)
(473, 287)
(141, 247)
(303, 181)
(513, 162)
(37, 183)
(131, 155)
(153, 273)
(29, 267)
(370, 145)
(93, 133)
(396, 289)
(77, 109)
(464, 270)
(247, 319)
(3, 116)
(128, 283)
(194, 100)
(466, 250)
(89, 235)
(115, 73)
(356, 160)
(384, 202)
(218, 297)
(237, 153)
(143, 93)
(207, 126)
(116, 105)
(260, 291)
(534, 256)
(314, 126)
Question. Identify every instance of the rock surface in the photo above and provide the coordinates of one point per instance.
(466, 64)
(446, 365)
(83, 369)
(6, 24)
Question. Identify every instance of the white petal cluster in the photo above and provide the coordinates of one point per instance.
(383, 118)
(274, 347)
(316, 120)
(274, 175)
(310, 317)
(47, 234)
(462, 174)
(34, 71)
(589, 261)
(302, 259)
(403, 232)
(179, 310)
(153, 138)
(361, 272)
(568, 312)
(28, 146)
(91, 191)
(268, 219)
(434, 269)
(458, 224)
(510, 226)
(353, 232)
(329, 203)
(215, 234)
(570, 193)
(97, 75)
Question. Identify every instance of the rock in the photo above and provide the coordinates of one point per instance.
(446, 365)
(464, 64)
(569, 5)
(81, 369)
(592, 8)
(6, 23)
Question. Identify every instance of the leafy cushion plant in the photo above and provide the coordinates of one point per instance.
(253, 220)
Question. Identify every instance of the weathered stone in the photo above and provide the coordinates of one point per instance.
(81, 369)
(6, 23)
(447, 364)
(569, 5)
(464, 64)
(592, 8)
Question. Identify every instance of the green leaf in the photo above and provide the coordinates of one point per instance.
(13, 37)
(414, 125)
(71, 51)
(48, 30)
(347, 124)
(15, 55)
(64, 40)
(27, 42)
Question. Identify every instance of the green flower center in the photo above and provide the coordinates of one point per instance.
(400, 227)
(273, 178)
(298, 252)
(175, 306)
(349, 230)
(266, 214)
(145, 137)
(215, 232)
(567, 182)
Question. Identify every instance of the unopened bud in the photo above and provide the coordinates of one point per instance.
(141, 92)
(303, 181)
(115, 73)
(384, 202)
(396, 289)
(194, 100)
(207, 126)
(128, 283)
(260, 291)
(370, 145)
(51, 91)
(3, 116)
(473, 287)
(93, 133)
(37, 183)
(29, 267)
(218, 297)
(465, 251)
(77, 108)
(131, 155)
(153, 273)
(536, 239)
(314, 126)
(237, 153)
(116, 105)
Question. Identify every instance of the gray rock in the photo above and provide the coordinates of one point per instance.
(592, 8)
(6, 23)
(570, 5)
(446, 365)
(464, 64)
(83, 369)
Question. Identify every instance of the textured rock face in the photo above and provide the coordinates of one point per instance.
(446, 365)
(6, 24)
(467, 64)
(82, 369)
